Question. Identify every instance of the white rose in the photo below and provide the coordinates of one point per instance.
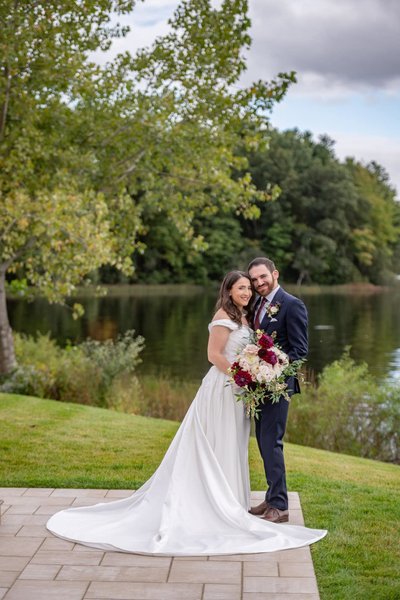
(251, 349)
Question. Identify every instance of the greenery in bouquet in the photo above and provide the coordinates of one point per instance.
(261, 371)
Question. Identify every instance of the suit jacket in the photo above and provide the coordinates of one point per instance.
(291, 326)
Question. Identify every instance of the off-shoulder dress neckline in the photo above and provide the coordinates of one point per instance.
(230, 321)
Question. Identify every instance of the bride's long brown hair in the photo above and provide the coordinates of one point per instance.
(225, 301)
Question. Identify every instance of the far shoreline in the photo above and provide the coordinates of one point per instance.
(193, 289)
(168, 289)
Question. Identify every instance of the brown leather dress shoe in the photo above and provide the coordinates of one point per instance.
(260, 509)
(275, 515)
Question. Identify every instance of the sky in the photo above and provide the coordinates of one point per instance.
(347, 57)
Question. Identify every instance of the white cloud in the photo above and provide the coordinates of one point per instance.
(337, 44)
(365, 148)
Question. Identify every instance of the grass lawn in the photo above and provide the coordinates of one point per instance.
(44, 443)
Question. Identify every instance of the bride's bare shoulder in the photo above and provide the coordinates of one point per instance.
(221, 314)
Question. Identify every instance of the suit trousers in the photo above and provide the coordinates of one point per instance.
(270, 429)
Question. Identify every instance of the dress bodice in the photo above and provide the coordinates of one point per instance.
(238, 338)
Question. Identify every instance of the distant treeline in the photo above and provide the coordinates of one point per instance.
(333, 222)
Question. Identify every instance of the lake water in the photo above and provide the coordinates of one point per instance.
(173, 320)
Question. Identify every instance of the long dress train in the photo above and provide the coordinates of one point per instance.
(197, 501)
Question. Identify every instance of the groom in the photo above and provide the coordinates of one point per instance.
(276, 311)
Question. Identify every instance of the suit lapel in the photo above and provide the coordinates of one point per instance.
(266, 322)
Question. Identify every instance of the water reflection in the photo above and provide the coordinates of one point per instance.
(174, 325)
(394, 366)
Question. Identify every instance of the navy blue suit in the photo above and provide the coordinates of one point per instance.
(290, 324)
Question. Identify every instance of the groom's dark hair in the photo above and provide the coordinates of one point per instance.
(262, 260)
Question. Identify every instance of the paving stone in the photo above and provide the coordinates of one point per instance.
(219, 591)
(12, 491)
(294, 500)
(261, 569)
(3, 592)
(18, 547)
(82, 547)
(269, 558)
(25, 519)
(10, 529)
(53, 543)
(282, 585)
(46, 572)
(119, 493)
(144, 591)
(46, 590)
(20, 500)
(179, 558)
(257, 496)
(91, 501)
(135, 560)
(75, 493)
(55, 500)
(138, 574)
(296, 569)
(13, 563)
(23, 508)
(7, 578)
(51, 509)
(48, 557)
(38, 492)
(268, 596)
(205, 572)
(294, 555)
(33, 531)
(296, 517)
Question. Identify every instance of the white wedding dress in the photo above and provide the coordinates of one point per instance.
(197, 501)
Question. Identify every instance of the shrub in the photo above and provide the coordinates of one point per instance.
(85, 373)
(112, 359)
(25, 379)
(349, 412)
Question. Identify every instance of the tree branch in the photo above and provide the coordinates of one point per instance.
(29, 244)
(4, 109)
(7, 229)
(131, 168)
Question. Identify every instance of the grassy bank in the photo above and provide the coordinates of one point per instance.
(52, 444)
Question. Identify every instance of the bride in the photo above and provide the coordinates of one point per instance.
(197, 501)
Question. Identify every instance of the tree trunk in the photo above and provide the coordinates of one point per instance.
(7, 352)
(300, 278)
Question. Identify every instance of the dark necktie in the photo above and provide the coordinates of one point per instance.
(257, 321)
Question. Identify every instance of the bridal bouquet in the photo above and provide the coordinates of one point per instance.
(261, 369)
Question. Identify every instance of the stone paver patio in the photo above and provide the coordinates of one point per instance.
(35, 565)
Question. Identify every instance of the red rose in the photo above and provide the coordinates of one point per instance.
(242, 378)
(265, 341)
(271, 358)
(268, 355)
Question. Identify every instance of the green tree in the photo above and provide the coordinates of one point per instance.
(333, 222)
(54, 225)
(86, 150)
(170, 258)
(378, 232)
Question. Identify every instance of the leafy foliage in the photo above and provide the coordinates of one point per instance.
(349, 412)
(86, 150)
(323, 224)
(332, 223)
(86, 373)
